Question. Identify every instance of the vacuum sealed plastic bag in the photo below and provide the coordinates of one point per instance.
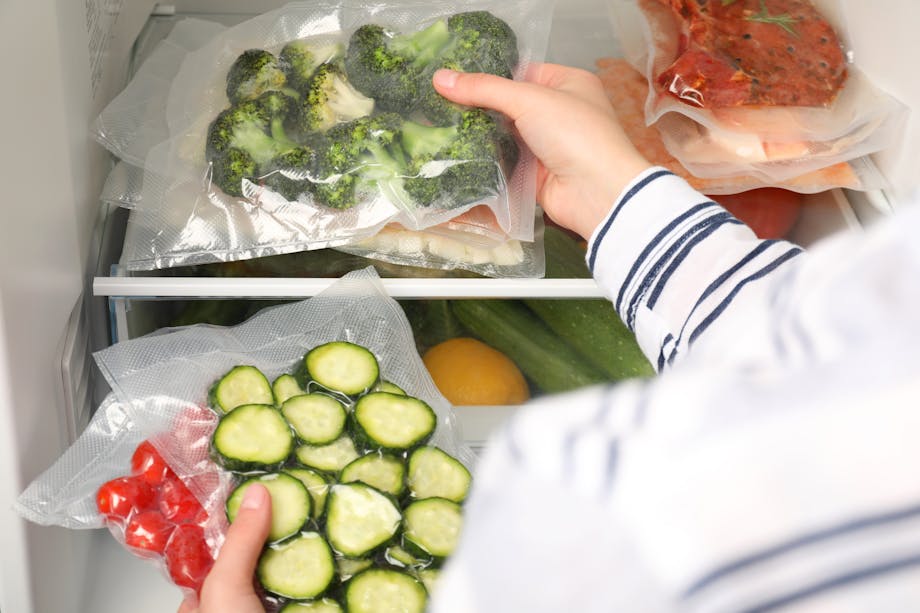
(164, 457)
(754, 87)
(627, 90)
(316, 125)
(471, 241)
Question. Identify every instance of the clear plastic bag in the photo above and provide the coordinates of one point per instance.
(182, 218)
(472, 242)
(159, 399)
(766, 89)
(627, 90)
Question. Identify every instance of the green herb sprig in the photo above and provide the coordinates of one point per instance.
(785, 20)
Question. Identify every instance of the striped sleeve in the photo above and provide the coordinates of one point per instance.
(676, 265)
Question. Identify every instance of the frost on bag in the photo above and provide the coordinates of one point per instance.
(316, 125)
(765, 88)
(166, 458)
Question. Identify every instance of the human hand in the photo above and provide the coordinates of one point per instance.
(229, 586)
(562, 113)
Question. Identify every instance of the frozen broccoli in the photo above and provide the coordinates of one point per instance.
(245, 136)
(388, 67)
(300, 58)
(330, 99)
(396, 70)
(254, 72)
(455, 165)
(289, 173)
(362, 152)
(479, 42)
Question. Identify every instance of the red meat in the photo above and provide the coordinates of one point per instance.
(754, 52)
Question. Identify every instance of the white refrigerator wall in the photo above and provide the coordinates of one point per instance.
(68, 58)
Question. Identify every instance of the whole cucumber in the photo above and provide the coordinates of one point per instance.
(512, 328)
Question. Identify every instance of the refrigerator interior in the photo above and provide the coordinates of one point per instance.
(59, 301)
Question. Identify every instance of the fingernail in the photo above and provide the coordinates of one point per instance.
(445, 77)
(253, 497)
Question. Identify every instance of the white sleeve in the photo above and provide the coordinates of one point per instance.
(677, 266)
(783, 485)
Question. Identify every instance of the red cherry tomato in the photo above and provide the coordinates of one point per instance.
(148, 531)
(148, 463)
(177, 503)
(118, 498)
(188, 558)
(770, 212)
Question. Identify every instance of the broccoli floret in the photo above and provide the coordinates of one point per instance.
(362, 152)
(388, 67)
(331, 99)
(300, 58)
(456, 165)
(247, 135)
(289, 173)
(482, 42)
(254, 72)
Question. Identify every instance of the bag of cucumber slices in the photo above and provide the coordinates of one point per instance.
(325, 402)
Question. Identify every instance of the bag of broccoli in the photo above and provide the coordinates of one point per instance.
(316, 125)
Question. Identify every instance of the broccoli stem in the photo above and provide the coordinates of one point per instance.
(425, 45)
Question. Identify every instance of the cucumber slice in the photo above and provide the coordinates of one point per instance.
(349, 567)
(252, 437)
(299, 568)
(284, 387)
(291, 504)
(390, 387)
(242, 385)
(324, 605)
(379, 590)
(342, 367)
(329, 458)
(429, 578)
(434, 473)
(432, 527)
(397, 556)
(317, 485)
(380, 470)
(317, 419)
(359, 519)
(392, 422)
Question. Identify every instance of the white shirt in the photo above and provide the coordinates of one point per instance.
(773, 465)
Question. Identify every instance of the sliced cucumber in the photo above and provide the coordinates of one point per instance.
(379, 590)
(317, 419)
(284, 387)
(252, 437)
(242, 385)
(432, 527)
(397, 556)
(349, 567)
(392, 422)
(329, 458)
(389, 387)
(429, 578)
(317, 485)
(383, 471)
(342, 367)
(291, 504)
(299, 568)
(359, 519)
(434, 473)
(323, 605)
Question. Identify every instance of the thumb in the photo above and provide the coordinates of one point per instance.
(511, 98)
(246, 536)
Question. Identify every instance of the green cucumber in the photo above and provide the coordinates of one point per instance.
(512, 328)
(591, 326)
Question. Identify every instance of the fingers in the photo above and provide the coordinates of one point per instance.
(512, 98)
(189, 605)
(544, 92)
(240, 552)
